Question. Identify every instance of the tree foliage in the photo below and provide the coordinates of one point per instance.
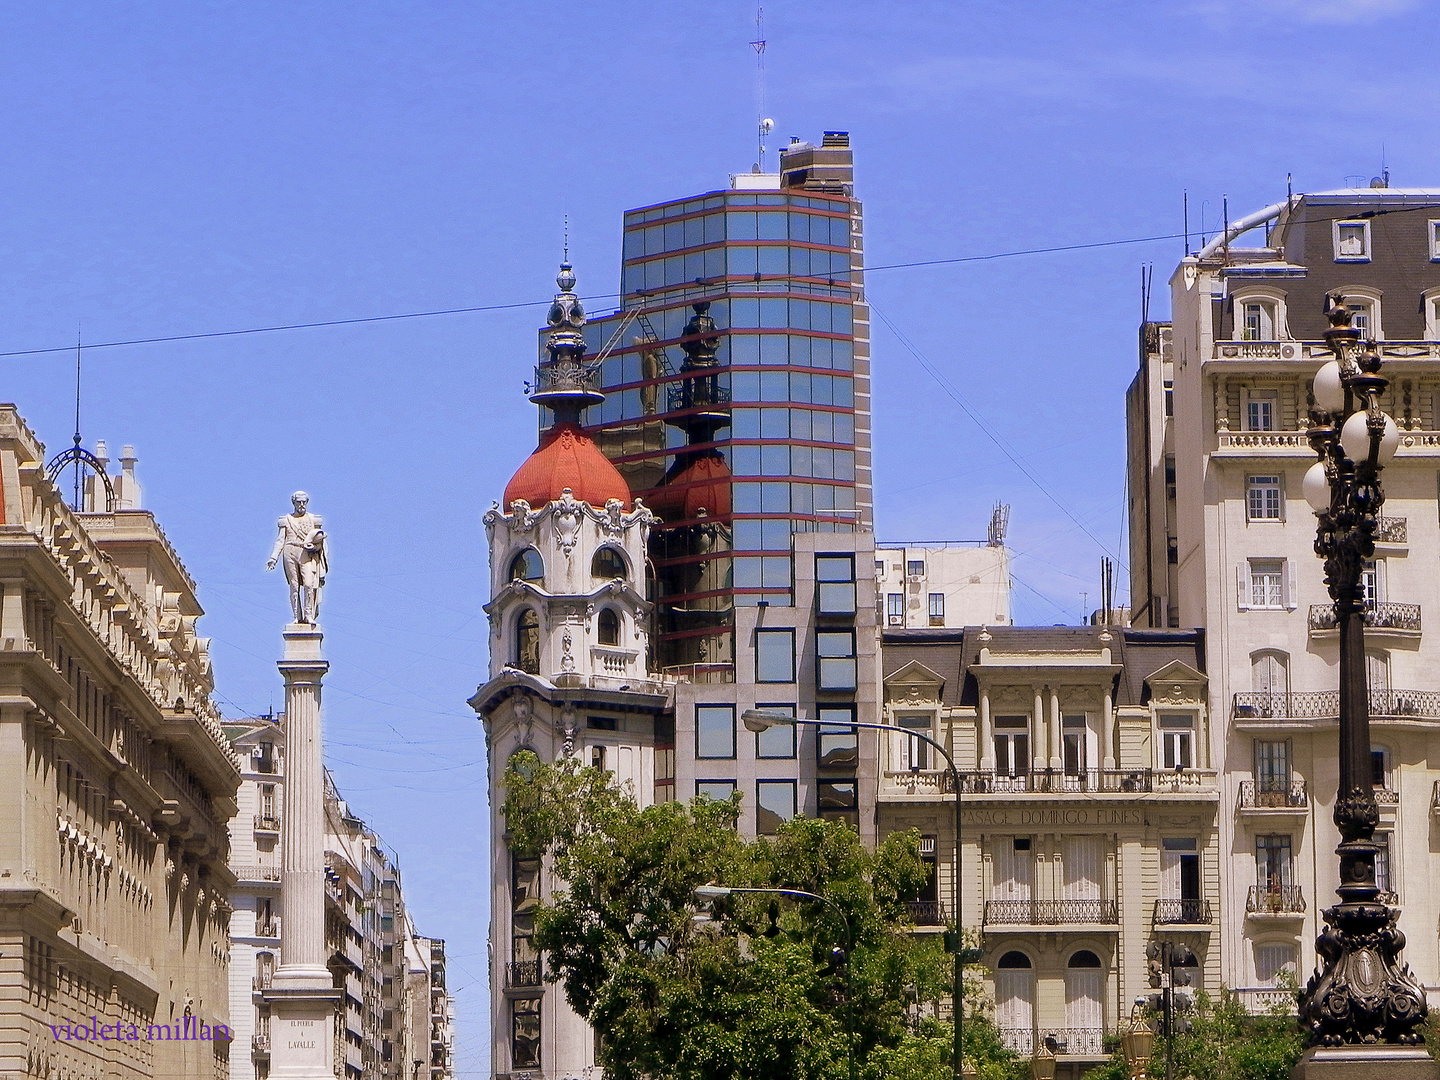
(756, 991)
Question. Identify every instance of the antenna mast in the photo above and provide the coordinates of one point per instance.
(762, 125)
(76, 500)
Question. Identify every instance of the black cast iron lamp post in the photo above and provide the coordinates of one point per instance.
(711, 893)
(758, 720)
(1363, 994)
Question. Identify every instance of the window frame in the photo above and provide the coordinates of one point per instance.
(1245, 574)
(1364, 225)
(834, 728)
(1261, 483)
(716, 706)
(835, 596)
(731, 784)
(768, 783)
(1173, 737)
(769, 633)
(825, 663)
(1271, 298)
(1260, 395)
(1432, 238)
(776, 729)
(936, 610)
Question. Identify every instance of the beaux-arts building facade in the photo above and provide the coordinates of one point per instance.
(116, 784)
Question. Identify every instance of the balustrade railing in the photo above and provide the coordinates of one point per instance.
(1285, 900)
(522, 973)
(260, 1044)
(926, 912)
(1262, 1000)
(252, 872)
(1272, 794)
(1050, 912)
(1057, 781)
(1182, 911)
(267, 822)
(1385, 797)
(1385, 616)
(1325, 704)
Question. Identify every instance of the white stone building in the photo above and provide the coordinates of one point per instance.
(943, 583)
(1221, 538)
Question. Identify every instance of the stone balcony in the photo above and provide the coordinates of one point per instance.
(1273, 797)
(1324, 705)
(1087, 783)
(1381, 620)
(1285, 902)
(1051, 912)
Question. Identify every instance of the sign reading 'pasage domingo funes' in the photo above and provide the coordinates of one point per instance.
(1057, 815)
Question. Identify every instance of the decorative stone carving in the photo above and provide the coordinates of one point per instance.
(305, 552)
(567, 653)
(567, 516)
(569, 727)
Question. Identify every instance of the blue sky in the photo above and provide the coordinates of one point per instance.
(174, 169)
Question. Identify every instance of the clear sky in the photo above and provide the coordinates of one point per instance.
(181, 168)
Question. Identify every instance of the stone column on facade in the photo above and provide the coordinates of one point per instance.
(1039, 747)
(302, 997)
(1107, 732)
(986, 749)
(1057, 760)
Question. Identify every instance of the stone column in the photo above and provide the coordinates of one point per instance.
(1057, 759)
(302, 996)
(985, 752)
(1039, 747)
(1107, 732)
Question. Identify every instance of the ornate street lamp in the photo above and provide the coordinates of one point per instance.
(1139, 1043)
(1364, 994)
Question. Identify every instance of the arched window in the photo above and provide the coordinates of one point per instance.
(527, 566)
(527, 642)
(607, 627)
(609, 563)
(1015, 1002)
(1085, 1003)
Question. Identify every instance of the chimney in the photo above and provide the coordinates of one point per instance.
(127, 487)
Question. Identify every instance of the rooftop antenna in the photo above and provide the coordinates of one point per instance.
(1185, 210)
(76, 501)
(763, 125)
(77, 456)
(567, 239)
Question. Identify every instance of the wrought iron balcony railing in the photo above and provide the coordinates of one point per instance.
(1169, 912)
(1325, 705)
(1273, 794)
(1050, 912)
(1057, 781)
(1089, 1042)
(1390, 530)
(1018, 1040)
(1377, 617)
(1285, 900)
(260, 1044)
(522, 973)
(927, 912)
(267, 822)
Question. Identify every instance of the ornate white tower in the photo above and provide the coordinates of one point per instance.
(569, 676)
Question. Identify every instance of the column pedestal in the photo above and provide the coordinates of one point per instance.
(1381, 1062)
(302, 997)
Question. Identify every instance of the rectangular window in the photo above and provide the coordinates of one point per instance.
(1256, 320)
(835, 584)
(1177, 739)
(837, 799)
(937, 609)
(835, 666)
(1272, 863)
(1272, 772)
(1012, 745)
(1075, 744)
(1262, 498)
(1352, 241)
(775, 656)
(1267, 583)
(1382, 863)
(915, 567)
(1169, 398)
(895, 608)
(714, 731)
(525, 1033)
(718, 790)
(1370, 579)
(1180, 869)
(774, 805)
(837, 745)
(1260, 409)
(914, 753)
(1379, 774)
(778, 740)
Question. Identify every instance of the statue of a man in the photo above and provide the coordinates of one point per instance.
(302, 547)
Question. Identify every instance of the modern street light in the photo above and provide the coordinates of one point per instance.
(758, 720)
(1364, 994)
(711, 893)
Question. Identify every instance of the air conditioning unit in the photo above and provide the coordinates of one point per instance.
(257, 751)
(897, 620)
(917, 577)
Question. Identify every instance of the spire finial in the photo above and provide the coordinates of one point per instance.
(567, 315)
(567, 238)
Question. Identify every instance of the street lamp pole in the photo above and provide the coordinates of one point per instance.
(758, 720)
(1365, 993)
(710, 893)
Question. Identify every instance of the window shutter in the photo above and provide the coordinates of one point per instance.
(1242, 586)
(1290, 599)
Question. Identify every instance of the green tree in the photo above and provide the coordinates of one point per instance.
(756, 990)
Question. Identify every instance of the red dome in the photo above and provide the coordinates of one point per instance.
(701, 484)
(567, 459)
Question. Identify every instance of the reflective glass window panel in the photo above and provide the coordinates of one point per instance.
(800, 351)
(774, 805)
(800, 461)
(775, 572)
(745, 386)
(843, 353)
(844, 498)
(740, 225)
(800, 386)
(800, 423)
(800, 227)
(775, 460)
(745, 573)
(745, 423)
(772, 313)
(714, 262)
(822, 463)
(778, 740)
(774, 423)
(843, 392)
(775, 656)
(800, 261)
(844, 427)
(712, 228)
(694, 265)
(715, 731)
(840, 232)
(774, 262)
(774, 386)
(837, 795)
(747, 535)
(822, 425)
(694, 231)
(775, 534)
(744, 313)
(844, 464)
(773, 348)
(718, 790)
(775, 498)
(771, 225)
(841, 319)
(800, 499)
(837, 746)
(745, 460)
(742, 261)
(746, 498)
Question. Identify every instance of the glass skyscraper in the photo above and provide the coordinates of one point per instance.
(738, 392)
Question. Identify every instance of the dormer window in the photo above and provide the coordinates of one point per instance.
(1257, 320)
(1432, 235)
(1352, 241)
(609, 564)
(527, 566)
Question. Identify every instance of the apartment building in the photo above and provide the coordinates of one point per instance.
(1222, 538)
(951, 583)
(1088, 813)
(116, 789)
(383, 1025)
